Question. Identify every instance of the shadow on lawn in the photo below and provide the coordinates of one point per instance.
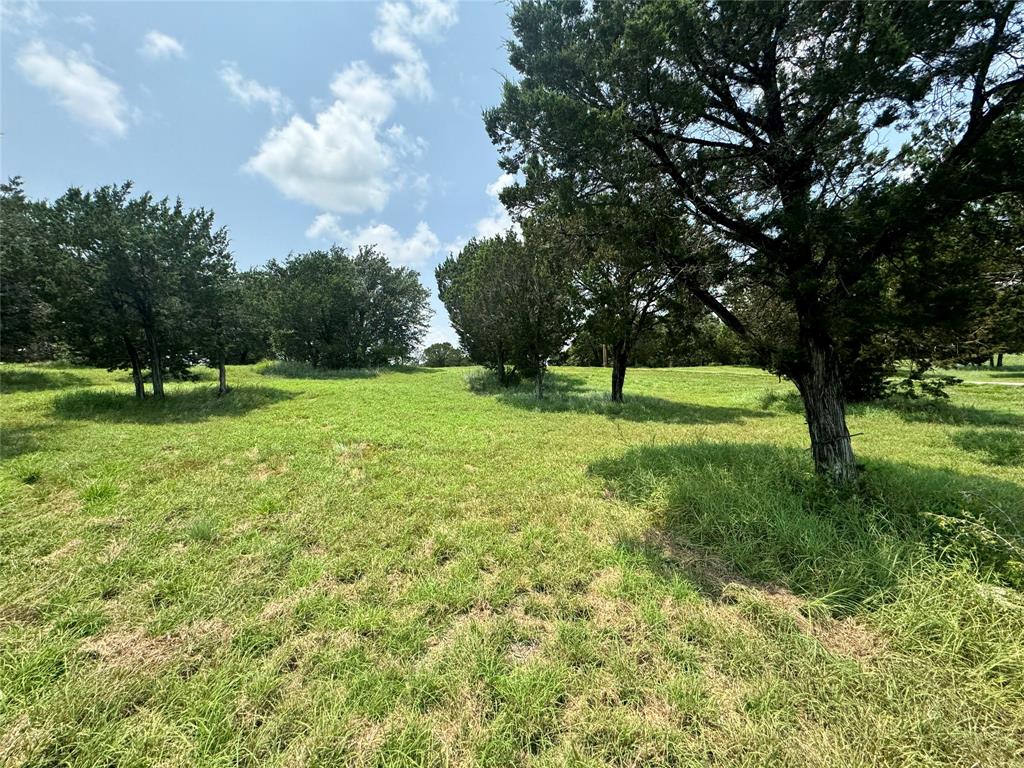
(180, 406)
(564, 393)
(296, 370)
(922, 410)
(760, 509)
(35, 380)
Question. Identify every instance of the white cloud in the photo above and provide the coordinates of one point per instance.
(415, 251)
(158, 45)
(400, 27)
(22, 17)
(498, 221)
(495, 187)
(82, 20)
(345, 159)
(325, 227)
(340, 163)
(249, 92)
(75, 84)
(406, 146)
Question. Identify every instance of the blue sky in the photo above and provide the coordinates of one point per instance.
(300, 123)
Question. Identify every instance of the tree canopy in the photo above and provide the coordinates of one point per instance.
(340, 311)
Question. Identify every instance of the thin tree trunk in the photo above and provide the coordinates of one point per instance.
(991, 361)
(619, 357)
(154, 364)
(501, 369)
(821, 388)
(133, 355)
(540, 381)
(999, 360)
(604, 355)
(222, 376)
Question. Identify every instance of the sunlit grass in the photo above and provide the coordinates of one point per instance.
(409, 568)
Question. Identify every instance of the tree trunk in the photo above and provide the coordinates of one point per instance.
(619, 357)
(991, 361)
(154, 364)
(604, 355)
(133, 355)
(821, 388)
(999, 360)
(222, 376)
(502, 380)
(540, 381)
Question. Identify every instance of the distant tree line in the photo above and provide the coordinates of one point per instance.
(131, 282)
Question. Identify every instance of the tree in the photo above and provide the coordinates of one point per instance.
(212, 290)
(28, 265)
(444, 355)
(254, 307)
(473, 287)
(141, 274)
(619, 268)
(510, 302)
(775, 128)
(541, 306)
(339, 311)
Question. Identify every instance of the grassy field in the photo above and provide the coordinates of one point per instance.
(414, 568)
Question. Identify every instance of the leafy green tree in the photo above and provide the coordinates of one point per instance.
(473, 285)
(510, 302)
(774, 126)
(254, 307)
(141, 275)
(340, 311)
(211, 289)
(620, 269)
(444, 355)
(541, 307)
(29, 264)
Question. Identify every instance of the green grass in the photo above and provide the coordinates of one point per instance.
(417, 568)
(1011, 372)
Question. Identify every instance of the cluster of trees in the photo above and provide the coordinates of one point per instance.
(444, 354)
(839, 184)
(136, 283)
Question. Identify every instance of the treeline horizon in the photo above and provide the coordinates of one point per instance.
(131, 282)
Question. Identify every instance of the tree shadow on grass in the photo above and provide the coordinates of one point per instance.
(180, 406)
(999, 447)
(921, 410)
(935, 411)
(759, 509)
(296, 370)
(565, 393)
(1009, 372)
(36, 380)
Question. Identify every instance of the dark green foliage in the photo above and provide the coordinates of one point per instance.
(253, 314)
(443, 355)
(145, 281)
(29, 264)
(339, 311)
(473, 291)
(511, 303)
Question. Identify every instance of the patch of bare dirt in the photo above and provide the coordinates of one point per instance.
(19, 742)
(849, 637)
(66, 550)
(264, 470)
(135, 650)
(327, 584)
